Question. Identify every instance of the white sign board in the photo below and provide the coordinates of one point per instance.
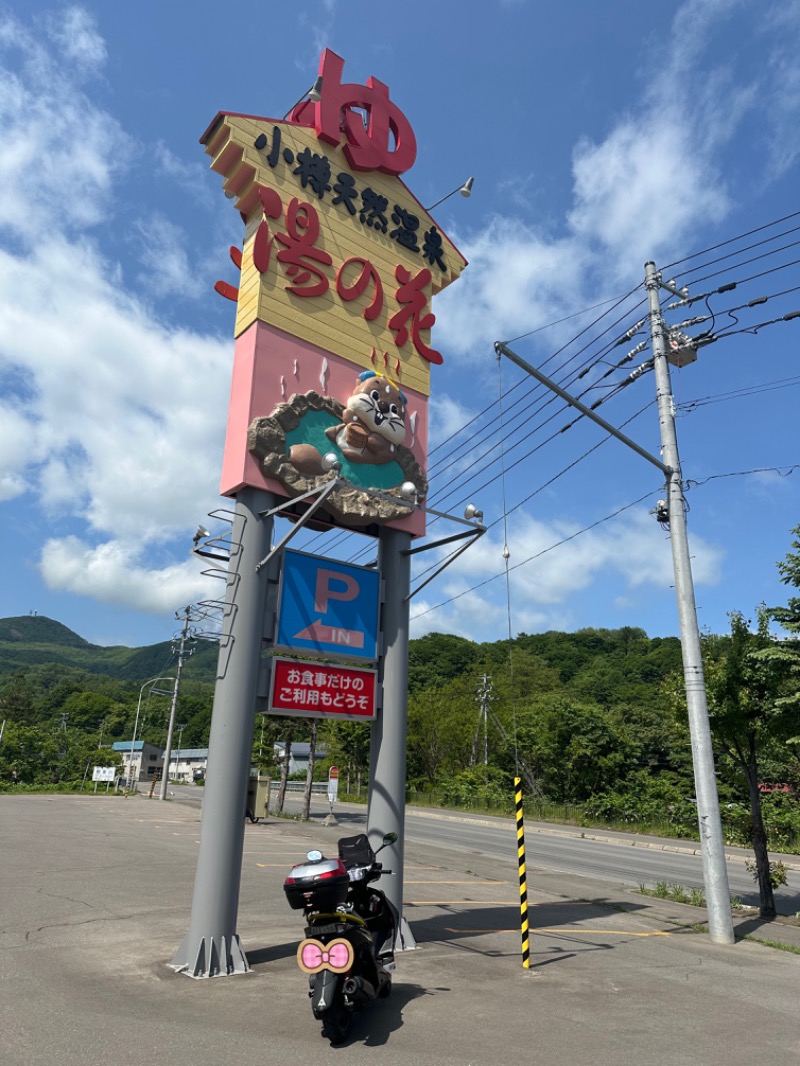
(333, 784)
(104, 773)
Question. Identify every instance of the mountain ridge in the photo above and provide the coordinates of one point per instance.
(36, 640)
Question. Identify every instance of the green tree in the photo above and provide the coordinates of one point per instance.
(29, 754)
(442, 726)
(437, 658)
(788, 617)
(576, 750)
(17, 699)
(347, 745)
(753, 707)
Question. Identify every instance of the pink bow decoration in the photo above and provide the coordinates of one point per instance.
(313, 956)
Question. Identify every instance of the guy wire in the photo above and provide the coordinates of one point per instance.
(506, 556)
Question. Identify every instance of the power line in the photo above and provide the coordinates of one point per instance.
(736, 394)
(787, 472)
(523, 419)
(519, 416)
(747, 248)
(567, 318)
(731, 240)
(538, 555)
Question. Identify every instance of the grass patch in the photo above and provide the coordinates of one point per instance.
(677, 893)
(695, 897)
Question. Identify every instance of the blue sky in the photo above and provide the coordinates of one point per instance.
(599, 136)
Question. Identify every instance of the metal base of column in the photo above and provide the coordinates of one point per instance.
(205, 959)
(404, 941)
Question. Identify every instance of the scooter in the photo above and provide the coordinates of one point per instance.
(351, 926)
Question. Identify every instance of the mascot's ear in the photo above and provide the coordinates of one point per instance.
(366, 375)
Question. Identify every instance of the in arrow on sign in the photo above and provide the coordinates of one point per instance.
(322, 634)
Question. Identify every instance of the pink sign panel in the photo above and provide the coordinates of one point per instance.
(321, 690)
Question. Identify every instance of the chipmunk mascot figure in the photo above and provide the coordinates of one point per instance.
(373, 421)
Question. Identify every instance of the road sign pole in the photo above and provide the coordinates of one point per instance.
(211, 948)
(387, 779)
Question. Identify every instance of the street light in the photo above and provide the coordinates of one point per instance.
(465, 190)
(160, 692)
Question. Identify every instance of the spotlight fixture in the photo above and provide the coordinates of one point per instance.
(314, 94)
(201, 532)
(465, 190)
(331, 461)
(471, 511)
(408, 490)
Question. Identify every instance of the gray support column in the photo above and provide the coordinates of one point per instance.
(715, 871)
(211, 948)
(387, 781)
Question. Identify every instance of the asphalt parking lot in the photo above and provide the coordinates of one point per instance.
(96, 898)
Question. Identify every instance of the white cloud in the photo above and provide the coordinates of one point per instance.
(166, 263)
(73, 30)
(52, 131)
(516, 281)
(16, 434)
(642, 187)
(783, 88)
(630, 553)
(111, 420)
(117, 572)
(191, 177)
(125, 418)
(446, 416)
(638, 193)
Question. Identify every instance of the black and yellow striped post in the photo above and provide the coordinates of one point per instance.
(523, 879)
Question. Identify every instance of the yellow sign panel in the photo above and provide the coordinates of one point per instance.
(343, 259)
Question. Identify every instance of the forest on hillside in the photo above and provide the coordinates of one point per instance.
(594, 721)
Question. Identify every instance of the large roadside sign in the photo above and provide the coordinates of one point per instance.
(327, 608)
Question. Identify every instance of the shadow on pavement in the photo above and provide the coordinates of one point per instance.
(750, 926)
(373, 1026)
(273, 953)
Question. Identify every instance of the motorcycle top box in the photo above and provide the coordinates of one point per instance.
(319, 884)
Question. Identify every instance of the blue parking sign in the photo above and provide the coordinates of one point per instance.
(328, 608)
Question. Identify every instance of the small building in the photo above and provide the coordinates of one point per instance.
(298, 755)
(188, 764)
(146, 762)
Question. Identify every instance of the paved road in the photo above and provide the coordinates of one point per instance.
(495, 838)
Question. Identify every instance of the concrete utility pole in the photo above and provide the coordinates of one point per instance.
(212, 946)
(182, 654)
(715, 872)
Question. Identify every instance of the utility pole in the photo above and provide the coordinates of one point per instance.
(182, 654)
(715, 871)
(484, 698)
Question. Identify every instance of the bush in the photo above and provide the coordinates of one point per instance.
(777, 872)
(482, 787)
(647, 801)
